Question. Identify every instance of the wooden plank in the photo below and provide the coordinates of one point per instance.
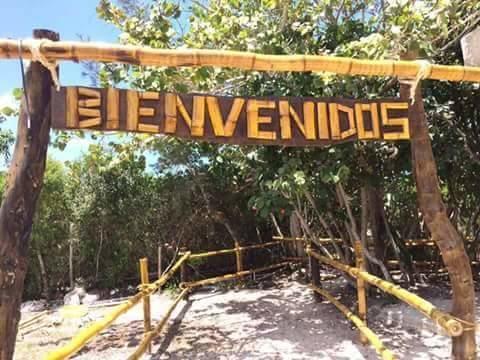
(286, 121)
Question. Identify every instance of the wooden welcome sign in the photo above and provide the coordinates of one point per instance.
(289, 121)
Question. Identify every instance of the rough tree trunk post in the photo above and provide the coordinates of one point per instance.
(443, 233)
(25, 180)
(314, 273)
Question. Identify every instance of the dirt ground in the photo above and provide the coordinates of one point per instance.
(279, 322)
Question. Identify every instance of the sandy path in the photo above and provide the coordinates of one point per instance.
(282, 322)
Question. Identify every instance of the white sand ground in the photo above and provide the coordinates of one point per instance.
(281, 322)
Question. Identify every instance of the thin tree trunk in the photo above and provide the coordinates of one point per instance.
(70, 257)
(442, 231)
(25, 180)
(97, 261)
(43, 276)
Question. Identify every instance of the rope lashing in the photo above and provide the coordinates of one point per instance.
(51, 65)
(424, 72)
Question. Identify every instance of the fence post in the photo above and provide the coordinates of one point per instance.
(361, 293)
(314, 272)
(146, 300)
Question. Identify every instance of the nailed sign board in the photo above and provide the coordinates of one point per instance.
(288, 121)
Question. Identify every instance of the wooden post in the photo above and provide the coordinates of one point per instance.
(146, 300)
(442, 231)
(25, 181)
(314, 273)
(361, 293)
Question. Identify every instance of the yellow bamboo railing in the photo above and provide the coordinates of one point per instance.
(85, 335)
(149, 336)
(361, 325)
(449, 323)
(227, 277)
(138, 55)
(231, 251)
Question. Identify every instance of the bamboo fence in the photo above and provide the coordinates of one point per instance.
(449, 323)
(359, 323)
(85, 335)
(150, 335)
(141, 55)
(234, 250)
(227, 277)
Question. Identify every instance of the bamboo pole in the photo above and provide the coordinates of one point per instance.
(146, 342)
(85, 335)
(147, 323)
(361, 293)
(314, 273)
(362, 326)
(449, 323)
(238, 257)
(227, 277)
(234, 250)
(138, 55)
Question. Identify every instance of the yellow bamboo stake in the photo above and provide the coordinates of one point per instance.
(85, 335)
(146, 342)
(361, 293)
(137, 55)
(361, 325)
(146, 300)
(227, 277)
(449, 323)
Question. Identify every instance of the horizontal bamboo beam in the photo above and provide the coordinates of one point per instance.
(138, 55)
(359, 323)
(227, 277)
(149, 336)
(231, 251)
(85, 335)
(449, 323)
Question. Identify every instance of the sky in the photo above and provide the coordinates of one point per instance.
(71, 19)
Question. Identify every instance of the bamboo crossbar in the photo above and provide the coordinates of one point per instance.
(359, 323)
(85, 335)
(231, 251)
(449, 323)
(146, 56)
(149, 336)
(227, 277)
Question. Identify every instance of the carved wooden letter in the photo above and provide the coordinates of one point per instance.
(254, 120)
(388, 121)
(216, 117)
(367, 134)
